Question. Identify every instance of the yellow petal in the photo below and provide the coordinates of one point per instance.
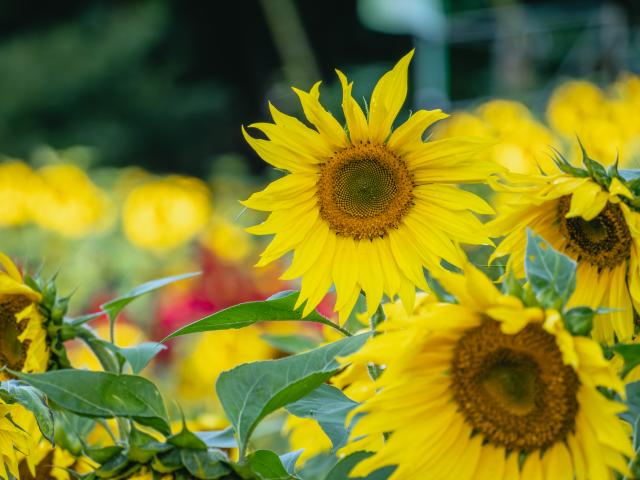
(408, 136)
(278, 156)
(356, 121)
(294, 131)
(283, 193)
(387, 99)
(10, 267)
(328, 126)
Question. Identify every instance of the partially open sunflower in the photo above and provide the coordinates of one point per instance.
(490, 389)
(366, 208)
(23, 336)
(591, 223)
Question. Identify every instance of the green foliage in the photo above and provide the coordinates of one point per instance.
(103, 395)
(630, 354)
(138, 356)
(13, 391)
(277, 308)
(341, 470)
(291, 343)
(250, 392)
(205, 464)
(113, 307)
(263, 465)
(551, 275)
(328, 406)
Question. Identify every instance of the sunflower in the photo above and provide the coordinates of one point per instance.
(489, 388)
(366, 209)
(23, 337)
(589, 223)
(13, 440)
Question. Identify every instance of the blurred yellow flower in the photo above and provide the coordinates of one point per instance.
(23, 337)
(165, 213)
(607, 123)
(215, 352)
(571, 103)
(227, 240)
(16, 192)
(126, 335)
(522, 143)
(68, 202)
(305, 434)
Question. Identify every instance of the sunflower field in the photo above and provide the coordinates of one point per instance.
(398, 293)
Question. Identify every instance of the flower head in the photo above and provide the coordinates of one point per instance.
(23, 336)
(490, 388)
(368, 208)
(590, 222)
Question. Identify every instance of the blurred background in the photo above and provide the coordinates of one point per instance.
(122, 157)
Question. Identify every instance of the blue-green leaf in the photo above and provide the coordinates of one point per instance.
(139, 355)
(277, 308)
(103, 395)
(290, 459)
(113, 307)
(328, 406)
(291, 343)
(630, 353)
(552, 275)
(341, 470)
(218, 438)
(250, 392)
(266, 465)
(205, 464)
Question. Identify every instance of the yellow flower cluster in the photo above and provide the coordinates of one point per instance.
(606, 121)
(158, 213)
(60, 198)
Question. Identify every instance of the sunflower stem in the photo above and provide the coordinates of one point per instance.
(109, 363)
(376, 319)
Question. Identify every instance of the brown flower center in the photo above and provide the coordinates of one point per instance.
(514, 389)
(364, 190)
(604, 242)
(13, 352)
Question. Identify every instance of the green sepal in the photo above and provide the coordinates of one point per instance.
(579, 321)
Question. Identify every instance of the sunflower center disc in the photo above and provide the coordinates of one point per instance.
(363, 191)
(604, 242)
(514, 389)
(13, 352)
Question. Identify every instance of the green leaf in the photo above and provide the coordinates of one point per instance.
(579, 320)
(341, 470)
(187, 439)
(290, 459)
(630, 353)
(143, 447)
(218, 438)
(33, 400)
(103, 395)
(278, 308)
(139, 355)
(206, 464)
(115, 306)
(291, 343)
(71, 430)
(103, 454)
(250, 392)
(266, 465)
(328, 406)
(552, 276)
